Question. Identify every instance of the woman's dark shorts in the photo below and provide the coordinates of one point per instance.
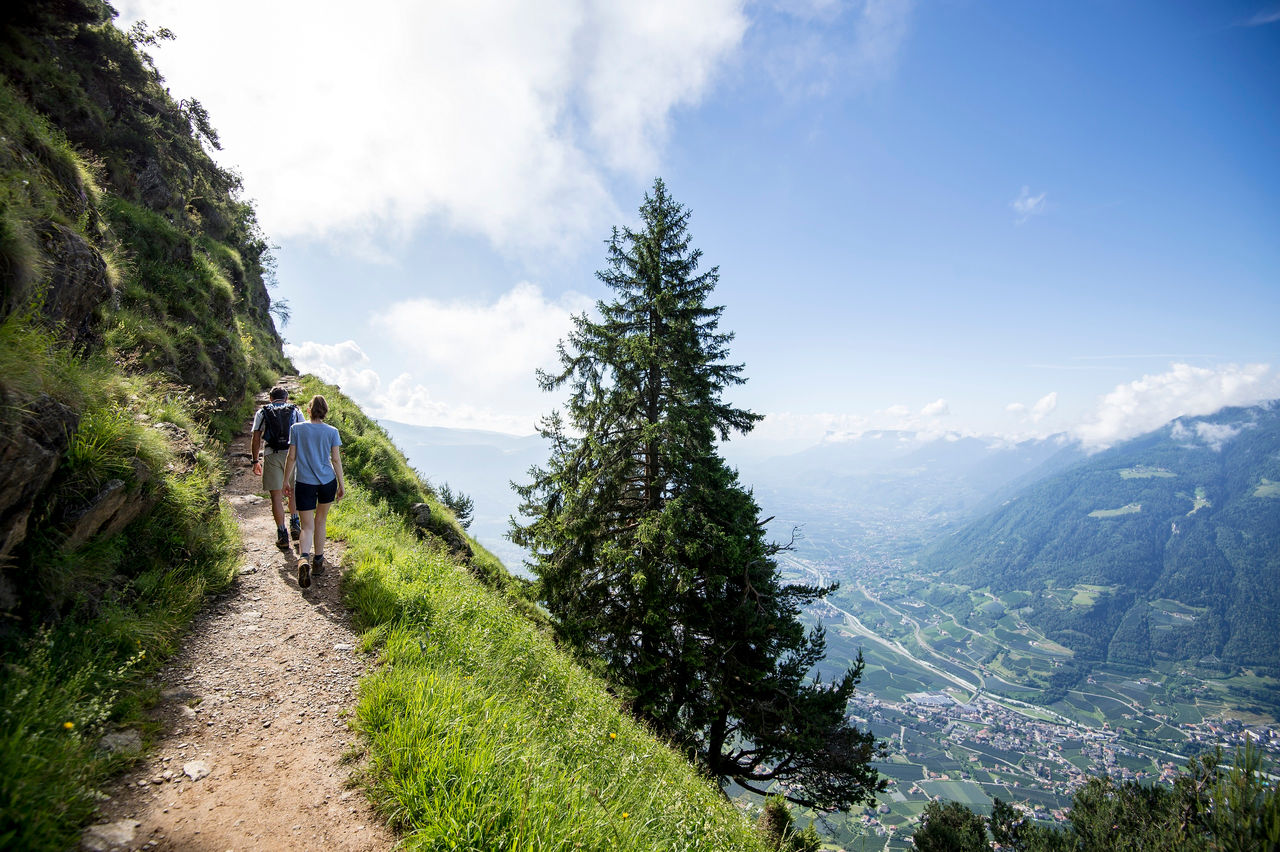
(305, 496)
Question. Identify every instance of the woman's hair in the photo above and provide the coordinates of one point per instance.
(319, 408)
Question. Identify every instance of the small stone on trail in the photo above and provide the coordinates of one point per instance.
(344, 646)
(195, 770)
(121, 741)
(178, 694)
(266, 723)
(101, 838)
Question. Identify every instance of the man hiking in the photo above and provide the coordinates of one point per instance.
(271, 426)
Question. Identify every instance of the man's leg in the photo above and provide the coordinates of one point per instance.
(273, 481)
(277, 507)
(295, 525)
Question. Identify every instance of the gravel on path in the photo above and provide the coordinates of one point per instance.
(254, 713)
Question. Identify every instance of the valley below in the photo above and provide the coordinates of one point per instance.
(1016, 640)
(953, 687)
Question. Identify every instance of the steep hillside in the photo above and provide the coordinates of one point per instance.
(1177, 534)
(134, 319)
(134, 286)
(135, 324)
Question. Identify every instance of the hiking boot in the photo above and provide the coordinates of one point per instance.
(282, 538)
(304, 571)
(317, 564)
(295, 527)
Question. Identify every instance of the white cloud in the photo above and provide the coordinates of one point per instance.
(343, 364)
(496, 343)
(937, 408)
(822, 40)
(1150, 402)
(789, 431)
(1027, 205)
(1214, 435)
(881, 29)
(1261, 19)
(403, 399)
(1044, 407)
(496, 117)
(473, 363)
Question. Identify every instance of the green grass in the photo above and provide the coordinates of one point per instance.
(1128, 509)
(482, 734)
(114, 610)
(1267, 488)
(1143, 471)
(1087, 595)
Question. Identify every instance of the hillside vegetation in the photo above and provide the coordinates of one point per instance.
(1175, 532)
(134, 320)
(135, 324)
(482, 733)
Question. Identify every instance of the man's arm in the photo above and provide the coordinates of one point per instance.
(254, 446)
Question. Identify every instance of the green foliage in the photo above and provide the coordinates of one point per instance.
(950, 827)
(777, 827)
(86, 668)
(1202, 538)
(462, 506)
(483, 735)
(1209, 807)
(651, 555)
(134, 308)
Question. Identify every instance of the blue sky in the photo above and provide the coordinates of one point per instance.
(988, 217)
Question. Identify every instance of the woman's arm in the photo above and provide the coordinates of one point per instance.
(336, 457)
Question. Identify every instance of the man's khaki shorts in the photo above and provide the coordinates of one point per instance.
(273, 471)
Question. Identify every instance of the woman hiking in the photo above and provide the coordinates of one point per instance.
(313, 453)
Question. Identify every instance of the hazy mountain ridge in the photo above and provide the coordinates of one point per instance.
(890, 493)
(1187, 513)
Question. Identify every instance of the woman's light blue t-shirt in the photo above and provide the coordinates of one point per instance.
(314, 441)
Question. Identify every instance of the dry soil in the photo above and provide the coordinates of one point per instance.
(254, 714)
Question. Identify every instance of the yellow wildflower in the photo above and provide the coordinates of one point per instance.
(68, 725)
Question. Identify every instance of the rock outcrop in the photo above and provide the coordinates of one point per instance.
(430, 522)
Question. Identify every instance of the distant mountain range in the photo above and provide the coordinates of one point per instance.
(888, 493)
(1176, 531)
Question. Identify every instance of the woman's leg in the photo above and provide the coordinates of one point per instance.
(322, 512)
(308, 517)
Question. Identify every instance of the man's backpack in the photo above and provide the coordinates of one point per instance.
(276, 420)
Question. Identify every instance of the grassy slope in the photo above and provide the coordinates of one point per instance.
(482, 734)
(146, 381)
(512, 746)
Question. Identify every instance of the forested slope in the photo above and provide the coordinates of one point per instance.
(1180, 529)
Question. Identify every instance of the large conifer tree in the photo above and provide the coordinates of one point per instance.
(650, 554)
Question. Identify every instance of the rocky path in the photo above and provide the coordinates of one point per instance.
(254, 714)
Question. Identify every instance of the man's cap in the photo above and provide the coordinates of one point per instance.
(279, 393)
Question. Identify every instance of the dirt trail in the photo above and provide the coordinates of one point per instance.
(254, 715)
